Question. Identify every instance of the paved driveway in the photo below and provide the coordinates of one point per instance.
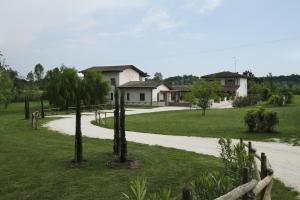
(284, 158)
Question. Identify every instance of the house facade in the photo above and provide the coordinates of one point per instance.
(137, 90)
(234, 83)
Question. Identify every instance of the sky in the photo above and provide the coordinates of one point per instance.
(174, 37)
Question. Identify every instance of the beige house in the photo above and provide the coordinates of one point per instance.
(139, 91)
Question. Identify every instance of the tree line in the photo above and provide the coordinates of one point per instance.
(58, 85)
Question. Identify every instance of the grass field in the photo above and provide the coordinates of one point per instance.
(216, 123)
(34, 165)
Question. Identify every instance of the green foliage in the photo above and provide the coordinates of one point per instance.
(235, 158)
(30, 76)
(183, 80)
(7, 89)
(276, 100)
(38, 72)
(270, 120)
(202, 92)
(62, 84)
(245, 101)
(261, 120)
(138, 191)
(210, 185)
(94, 88)
(158, 76)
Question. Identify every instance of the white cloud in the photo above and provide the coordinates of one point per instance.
(159, 19)
(22, 21)
(202, 6)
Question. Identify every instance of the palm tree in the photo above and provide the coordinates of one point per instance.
(116, 148)
(78, 135)
(123, 156)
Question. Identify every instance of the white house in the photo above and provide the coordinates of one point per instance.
(139, 91)
(232, 82)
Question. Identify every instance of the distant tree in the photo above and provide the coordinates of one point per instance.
(7, 89)
(248, 73)
(7, 82)
(38, 72)
(30, 76)
(202, 92)
(158, 76)
(182, 80)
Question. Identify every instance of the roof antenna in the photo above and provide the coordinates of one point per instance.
(234, 61)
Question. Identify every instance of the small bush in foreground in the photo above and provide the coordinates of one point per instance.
(245, 101)
(261, 120)
(210, 185)
(138, 189)
(235, 158)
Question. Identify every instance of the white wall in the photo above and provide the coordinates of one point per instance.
(159, 90)
(129, 75)
(135, 95)
(242, 90)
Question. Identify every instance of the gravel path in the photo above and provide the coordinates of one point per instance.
(284, 158)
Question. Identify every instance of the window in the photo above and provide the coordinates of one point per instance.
(113, 81)
(128, 97)
(157, 97)
(111, 96)
(142, 96)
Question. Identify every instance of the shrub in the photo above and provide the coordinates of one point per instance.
(261, 120)
(270, 120)
(209, 185)
(235, 158)
(250, 120)
(276, 100)
(245, 101)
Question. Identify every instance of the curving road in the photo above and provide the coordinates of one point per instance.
(284, 158)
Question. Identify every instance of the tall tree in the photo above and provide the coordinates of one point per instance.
(158, 76)
(38, 72)
(95, 88)
(30, 76)
(202, 92)
(7, 88)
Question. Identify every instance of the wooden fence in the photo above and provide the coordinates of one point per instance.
(261, 185)
(83, 107)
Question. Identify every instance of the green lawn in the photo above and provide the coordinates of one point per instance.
(216, 123)
(34, 165)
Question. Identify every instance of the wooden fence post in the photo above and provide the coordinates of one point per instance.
(246, 178)
(32, 120)
(36, 116)
(187, 193)
(249, 147)
(263, 171)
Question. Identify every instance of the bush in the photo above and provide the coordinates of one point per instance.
(209, 186)
(270, 120)
(138, 189)
(261, 120)
(235, 158)
(245, 101)
(276, 100)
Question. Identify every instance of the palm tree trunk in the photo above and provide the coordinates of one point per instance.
(123, 156)
(78, 134)
(116, 148)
